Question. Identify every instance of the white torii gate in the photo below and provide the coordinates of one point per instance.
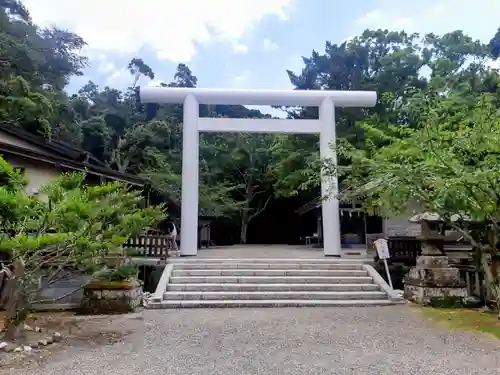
(193, 125)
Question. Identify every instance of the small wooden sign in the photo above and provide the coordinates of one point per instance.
(382, 248)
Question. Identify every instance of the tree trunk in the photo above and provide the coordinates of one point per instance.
(16, 314)
(17, 307)
(491, 281)
(245, 215)
(244, 229)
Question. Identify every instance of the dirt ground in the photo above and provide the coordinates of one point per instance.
(77, 331)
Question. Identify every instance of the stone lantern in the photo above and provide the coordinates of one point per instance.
(433, 281)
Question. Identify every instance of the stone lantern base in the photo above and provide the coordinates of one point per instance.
(434, 282)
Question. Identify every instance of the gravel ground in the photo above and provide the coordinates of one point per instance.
(302, 341)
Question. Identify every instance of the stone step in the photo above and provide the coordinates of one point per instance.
(271, 280)
(268, 272)
(227, 287)
(185, 260)
(269, 283)
(293, 295)
(268, 303)
(273, 266)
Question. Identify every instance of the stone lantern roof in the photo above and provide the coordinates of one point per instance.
(425, 216)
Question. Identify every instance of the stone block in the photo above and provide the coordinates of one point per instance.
(109, 297)
(433, 279)
(424, 295)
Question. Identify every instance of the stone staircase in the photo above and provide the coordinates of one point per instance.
(270, 283)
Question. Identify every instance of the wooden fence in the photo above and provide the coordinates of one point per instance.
(404, 247)
(150, 245)
(475, 283)
(410, 248)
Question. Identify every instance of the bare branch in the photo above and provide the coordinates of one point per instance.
(260, 210)
(52, 300)
(243, 176)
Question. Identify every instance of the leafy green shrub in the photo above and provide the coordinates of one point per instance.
(449, 302)
(133, 252)
(397, 270)
(122, 272)
(73, 228)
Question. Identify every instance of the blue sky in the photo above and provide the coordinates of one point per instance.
(240, 43)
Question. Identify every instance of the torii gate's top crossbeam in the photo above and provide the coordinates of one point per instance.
(307, 98)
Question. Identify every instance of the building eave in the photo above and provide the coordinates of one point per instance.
(72, 165)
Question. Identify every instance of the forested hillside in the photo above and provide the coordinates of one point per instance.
(240, 173)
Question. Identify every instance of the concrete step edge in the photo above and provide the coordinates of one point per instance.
(266, 295)
(259, 279)
(265, 266)
(264, 270)
(266, 260)
(276, 285)
(269, 303)
(271, 293)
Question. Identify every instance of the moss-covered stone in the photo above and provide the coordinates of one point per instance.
(104, 284)
(110, 297)
(447, 302)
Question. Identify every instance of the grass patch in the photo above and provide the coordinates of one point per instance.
(465, 319)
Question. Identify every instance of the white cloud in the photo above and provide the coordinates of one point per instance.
(494, 64)
(240, 48)
(242, 80)
(478, 18)
(269, 45)
(105, 67)
(122, 78)
(118, 78)
(103, 64)
(155, 82)
(381, 19)
(171, 28)
(295, 63)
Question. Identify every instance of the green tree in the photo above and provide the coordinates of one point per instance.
(402, 68)
(239, 164)
(35, 66)
(71, 230)
(137, 67)
(494, 45)
(448, 165)
(408, 71)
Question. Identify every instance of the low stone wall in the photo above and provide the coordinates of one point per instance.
(65, 293)
(105, 297)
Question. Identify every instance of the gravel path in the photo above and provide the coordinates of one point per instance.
(302, 341)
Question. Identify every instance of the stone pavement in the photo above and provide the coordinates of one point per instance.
(295, 341)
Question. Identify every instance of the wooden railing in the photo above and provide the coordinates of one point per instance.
(404, 247)
(154, 244)
(410, 248)
(475, 283)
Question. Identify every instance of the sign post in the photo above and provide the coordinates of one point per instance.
(383, 253)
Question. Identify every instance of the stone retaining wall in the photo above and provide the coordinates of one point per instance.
(111, 297)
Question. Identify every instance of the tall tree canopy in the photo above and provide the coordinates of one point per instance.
(240, 174)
